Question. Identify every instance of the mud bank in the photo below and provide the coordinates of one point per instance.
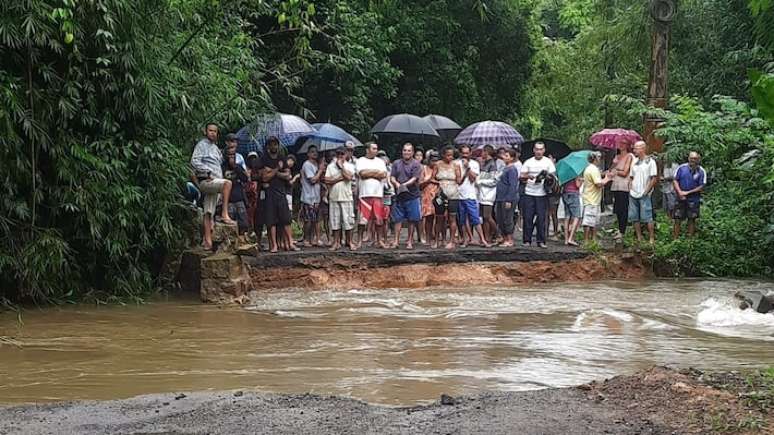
(437, 268)
(657, 401)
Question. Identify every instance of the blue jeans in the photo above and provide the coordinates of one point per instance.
(535, 206)
(640, 209)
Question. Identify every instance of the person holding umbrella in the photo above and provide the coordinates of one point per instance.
(570, 172)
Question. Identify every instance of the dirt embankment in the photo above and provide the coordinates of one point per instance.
(657, 401)
(357, 271)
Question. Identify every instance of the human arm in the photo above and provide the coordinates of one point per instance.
(579, 181)
(371, 173)
(511, 178)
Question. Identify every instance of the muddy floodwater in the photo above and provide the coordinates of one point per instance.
(394, 347)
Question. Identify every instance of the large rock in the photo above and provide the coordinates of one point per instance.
(756, 300)
(225, 237)
(224, 280)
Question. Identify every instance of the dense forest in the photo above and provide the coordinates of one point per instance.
(101, 101)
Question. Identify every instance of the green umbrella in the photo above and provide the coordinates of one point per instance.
(572, 166)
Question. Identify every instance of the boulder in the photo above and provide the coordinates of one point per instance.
(224, 280)
(756, 300)
(225, 237)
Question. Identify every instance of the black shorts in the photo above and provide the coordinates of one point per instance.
(275, 209)
(686, 210)
(485, 211)
(451, 205)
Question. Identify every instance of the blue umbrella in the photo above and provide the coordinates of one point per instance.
(327, 137)
(286, 128)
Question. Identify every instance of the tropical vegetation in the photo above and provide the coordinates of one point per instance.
(101, 101)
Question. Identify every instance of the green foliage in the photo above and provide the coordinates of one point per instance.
(736, 236)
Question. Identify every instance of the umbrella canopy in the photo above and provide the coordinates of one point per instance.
(404, 124)
(572, 166)
(611, 138)
(327, 137)
(286, 128)
(446, 128)
(554, 147)
(493, 133)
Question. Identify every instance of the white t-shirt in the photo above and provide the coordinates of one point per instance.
(468, 188)
(310, 192)
(532, 167)
(641, 172)
(371, 187)
(341, 191)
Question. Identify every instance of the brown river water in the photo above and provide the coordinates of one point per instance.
(394, 347)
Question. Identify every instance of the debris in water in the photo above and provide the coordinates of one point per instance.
(180, 396)
(447, 400)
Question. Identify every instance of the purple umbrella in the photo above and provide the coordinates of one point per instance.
(493, 133)
(611, 138)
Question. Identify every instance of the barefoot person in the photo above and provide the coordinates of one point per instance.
(206, 161)
(372, 172)
(469, 219)
(644, 176)
(405, 176)
(688, 183)
(311, 175)
(449, 177)
(275, 206)
(593, 183)
(572, 209)
(506, 197)
(339, 176)
(430, 188)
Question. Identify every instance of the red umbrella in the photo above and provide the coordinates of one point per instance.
(611, 138)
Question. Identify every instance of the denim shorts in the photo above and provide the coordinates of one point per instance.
(572, 208)
(640, 209)
(406, 210)
(468, 211)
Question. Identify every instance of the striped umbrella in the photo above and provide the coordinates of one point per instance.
(327, 137)
(286, 128)
(493, 133)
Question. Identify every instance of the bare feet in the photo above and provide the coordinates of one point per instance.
(409, 245)
(571, 243)
(434, 245)
(450, 245)
(506, 244)
(227, 220)
(353, 246)
(383, 245)
(334, 247)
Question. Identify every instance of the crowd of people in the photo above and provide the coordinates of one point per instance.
(450, 198)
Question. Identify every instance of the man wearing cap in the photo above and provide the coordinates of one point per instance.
(276, 212)
(206, 161)
(311, 175)
(372, 171)
(339, 175)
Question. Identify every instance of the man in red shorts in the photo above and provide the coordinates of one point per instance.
(371, 171)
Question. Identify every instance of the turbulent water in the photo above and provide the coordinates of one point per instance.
(396, 347)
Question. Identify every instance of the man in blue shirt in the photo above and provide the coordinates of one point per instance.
(405, 176)
(689, 182)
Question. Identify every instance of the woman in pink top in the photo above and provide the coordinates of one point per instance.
(622, 163)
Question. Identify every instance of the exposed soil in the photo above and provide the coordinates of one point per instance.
(418, 269)
(657, 401)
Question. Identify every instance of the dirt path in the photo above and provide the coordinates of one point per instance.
(659, 401)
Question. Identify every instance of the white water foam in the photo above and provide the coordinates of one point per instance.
(724, 313)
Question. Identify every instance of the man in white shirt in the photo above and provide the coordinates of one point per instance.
(339, 175)
(311, 174)
(533, 173)
(467, 214)
(372, 172)
(644, 176)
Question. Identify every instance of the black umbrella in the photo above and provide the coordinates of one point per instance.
(404, 124)
(558, 149)
(445, 127)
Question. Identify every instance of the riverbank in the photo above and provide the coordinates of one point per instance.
(227, 278)
(655, 401)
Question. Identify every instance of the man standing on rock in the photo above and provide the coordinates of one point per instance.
(206, 161)
(311, 173)
(688, 183)
(405, 176)
(372, 172)
(275, 205)
(535, 201)
(339, 176)
(644, 176)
